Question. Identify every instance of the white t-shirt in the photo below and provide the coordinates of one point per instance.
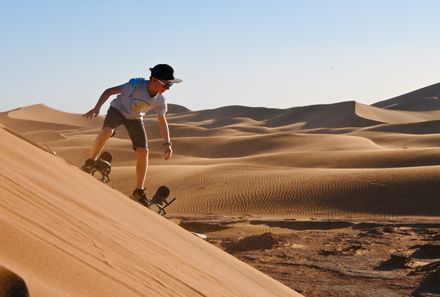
(134, 101)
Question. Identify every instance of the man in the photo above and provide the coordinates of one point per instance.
(134, 99)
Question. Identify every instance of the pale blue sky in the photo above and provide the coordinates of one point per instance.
(231, 52)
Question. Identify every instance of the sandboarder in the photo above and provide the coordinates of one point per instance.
(134, 99)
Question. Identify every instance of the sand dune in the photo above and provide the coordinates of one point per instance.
(344, 114)
(237, 189)
(42, 113)
(46, 120)
(428, 127)
(424, 99)
(229, 112)
(400, 140)
(335, 115)
(176, 109)
(271, 161)
(67, 234)
(392, 116)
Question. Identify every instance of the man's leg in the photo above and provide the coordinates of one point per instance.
(91, 163)
(141, 167)
(141, 171)
(112, 120)
(138, 136)
(100, 141)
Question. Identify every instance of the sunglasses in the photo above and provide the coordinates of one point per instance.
(165, 85)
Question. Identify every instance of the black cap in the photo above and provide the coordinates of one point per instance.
(165, 72)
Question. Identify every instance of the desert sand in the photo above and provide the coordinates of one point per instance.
(318, 197)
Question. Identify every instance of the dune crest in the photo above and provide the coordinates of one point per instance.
(45, 114)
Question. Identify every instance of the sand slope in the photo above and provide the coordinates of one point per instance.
(67, 234)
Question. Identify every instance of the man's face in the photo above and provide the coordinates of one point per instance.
(161, 85)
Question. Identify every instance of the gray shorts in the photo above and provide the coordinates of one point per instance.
(135, 128)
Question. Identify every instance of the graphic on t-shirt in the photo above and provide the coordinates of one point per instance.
(138, 105)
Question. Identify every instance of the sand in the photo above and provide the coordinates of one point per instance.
(346, 161)
(67, 234)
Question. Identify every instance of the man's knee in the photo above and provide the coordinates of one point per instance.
(107, 132)
(142, 152)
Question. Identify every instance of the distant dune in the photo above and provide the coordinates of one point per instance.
(428, 127)
(425, 99)
(389, 116)
(334, 159)
(45, 114)
(336, 115)
(176, 109)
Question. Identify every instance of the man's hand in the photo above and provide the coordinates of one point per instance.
(168, 152)
(93, 113)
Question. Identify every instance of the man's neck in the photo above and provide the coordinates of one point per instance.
(151, 93)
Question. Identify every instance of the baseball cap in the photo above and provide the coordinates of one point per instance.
(165, 72)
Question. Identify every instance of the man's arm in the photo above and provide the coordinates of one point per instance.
(165, 132)
(105, 95)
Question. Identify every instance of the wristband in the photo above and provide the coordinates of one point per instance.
(167, 143)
